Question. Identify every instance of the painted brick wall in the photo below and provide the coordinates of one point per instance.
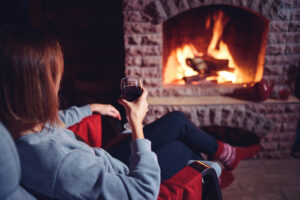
(274, 123)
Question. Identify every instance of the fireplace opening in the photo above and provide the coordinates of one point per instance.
(233, 136)
(214, 45)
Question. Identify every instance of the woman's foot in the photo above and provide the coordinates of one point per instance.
(231, 156)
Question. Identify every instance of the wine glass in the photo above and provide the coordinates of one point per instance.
(131, 89)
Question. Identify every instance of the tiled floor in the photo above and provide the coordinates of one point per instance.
(265, 180)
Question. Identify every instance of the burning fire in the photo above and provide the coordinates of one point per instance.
(217, 50)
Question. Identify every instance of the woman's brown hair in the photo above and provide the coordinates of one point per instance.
(31, 66)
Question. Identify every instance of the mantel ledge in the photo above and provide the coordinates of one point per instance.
(213, 100)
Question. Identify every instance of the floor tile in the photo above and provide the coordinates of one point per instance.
(265, 179)
(292, 194)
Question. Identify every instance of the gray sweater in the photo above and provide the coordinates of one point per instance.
(55, 164)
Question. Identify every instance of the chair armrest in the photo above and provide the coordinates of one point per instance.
(187, 184)
(211, 187)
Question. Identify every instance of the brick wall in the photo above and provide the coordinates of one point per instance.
(143, 41)
(275, 123)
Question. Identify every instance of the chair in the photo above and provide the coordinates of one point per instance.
(10, 169)
(187, 184)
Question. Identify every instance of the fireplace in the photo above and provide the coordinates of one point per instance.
(261, 41)
(214, 44)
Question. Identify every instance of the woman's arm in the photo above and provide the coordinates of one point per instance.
(83, 176)
(75, 114)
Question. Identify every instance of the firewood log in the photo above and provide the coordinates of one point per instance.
(208, 65)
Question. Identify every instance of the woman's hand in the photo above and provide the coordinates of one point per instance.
(136, 112)
(105, 109)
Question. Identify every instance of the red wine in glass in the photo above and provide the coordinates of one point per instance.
(131, 93)
(130, 90)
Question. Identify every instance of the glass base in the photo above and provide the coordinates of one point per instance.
(127, 126)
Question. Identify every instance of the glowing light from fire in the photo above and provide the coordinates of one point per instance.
(220, 21)
(221, 51)
(182, 54)
(176, 67)
(225, 76)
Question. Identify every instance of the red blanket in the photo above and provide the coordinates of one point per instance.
(186, 184)
(89, 129)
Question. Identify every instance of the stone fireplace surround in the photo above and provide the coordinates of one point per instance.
(273, 121)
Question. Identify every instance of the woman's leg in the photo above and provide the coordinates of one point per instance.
(171, 127)
(175, 126)
(173, 157)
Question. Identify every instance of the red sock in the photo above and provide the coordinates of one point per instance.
(226, 178)
(231, 156)
(243, 153)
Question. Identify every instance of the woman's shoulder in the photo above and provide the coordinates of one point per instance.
(41, 153)
(38, 143)
(47, 134)
(50, 138)
(54, 142)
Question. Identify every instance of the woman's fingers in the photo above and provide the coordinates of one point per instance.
(105, 109)
(136, 109)
(144, 94)
(112, 111)
(124, 103)
(115, 113)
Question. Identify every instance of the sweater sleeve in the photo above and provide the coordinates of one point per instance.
(74, 114)
(81, 176)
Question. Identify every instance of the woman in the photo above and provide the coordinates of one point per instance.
(55, 164)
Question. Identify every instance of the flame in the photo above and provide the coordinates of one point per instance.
(219, 50)
(182, 54)
(175, 74)
(225, 76)
(176, 67)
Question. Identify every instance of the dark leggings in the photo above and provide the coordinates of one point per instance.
(175, 140)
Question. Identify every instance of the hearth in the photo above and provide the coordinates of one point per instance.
(261, 39)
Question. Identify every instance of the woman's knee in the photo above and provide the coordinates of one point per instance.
(177, 116)
(175, 151)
